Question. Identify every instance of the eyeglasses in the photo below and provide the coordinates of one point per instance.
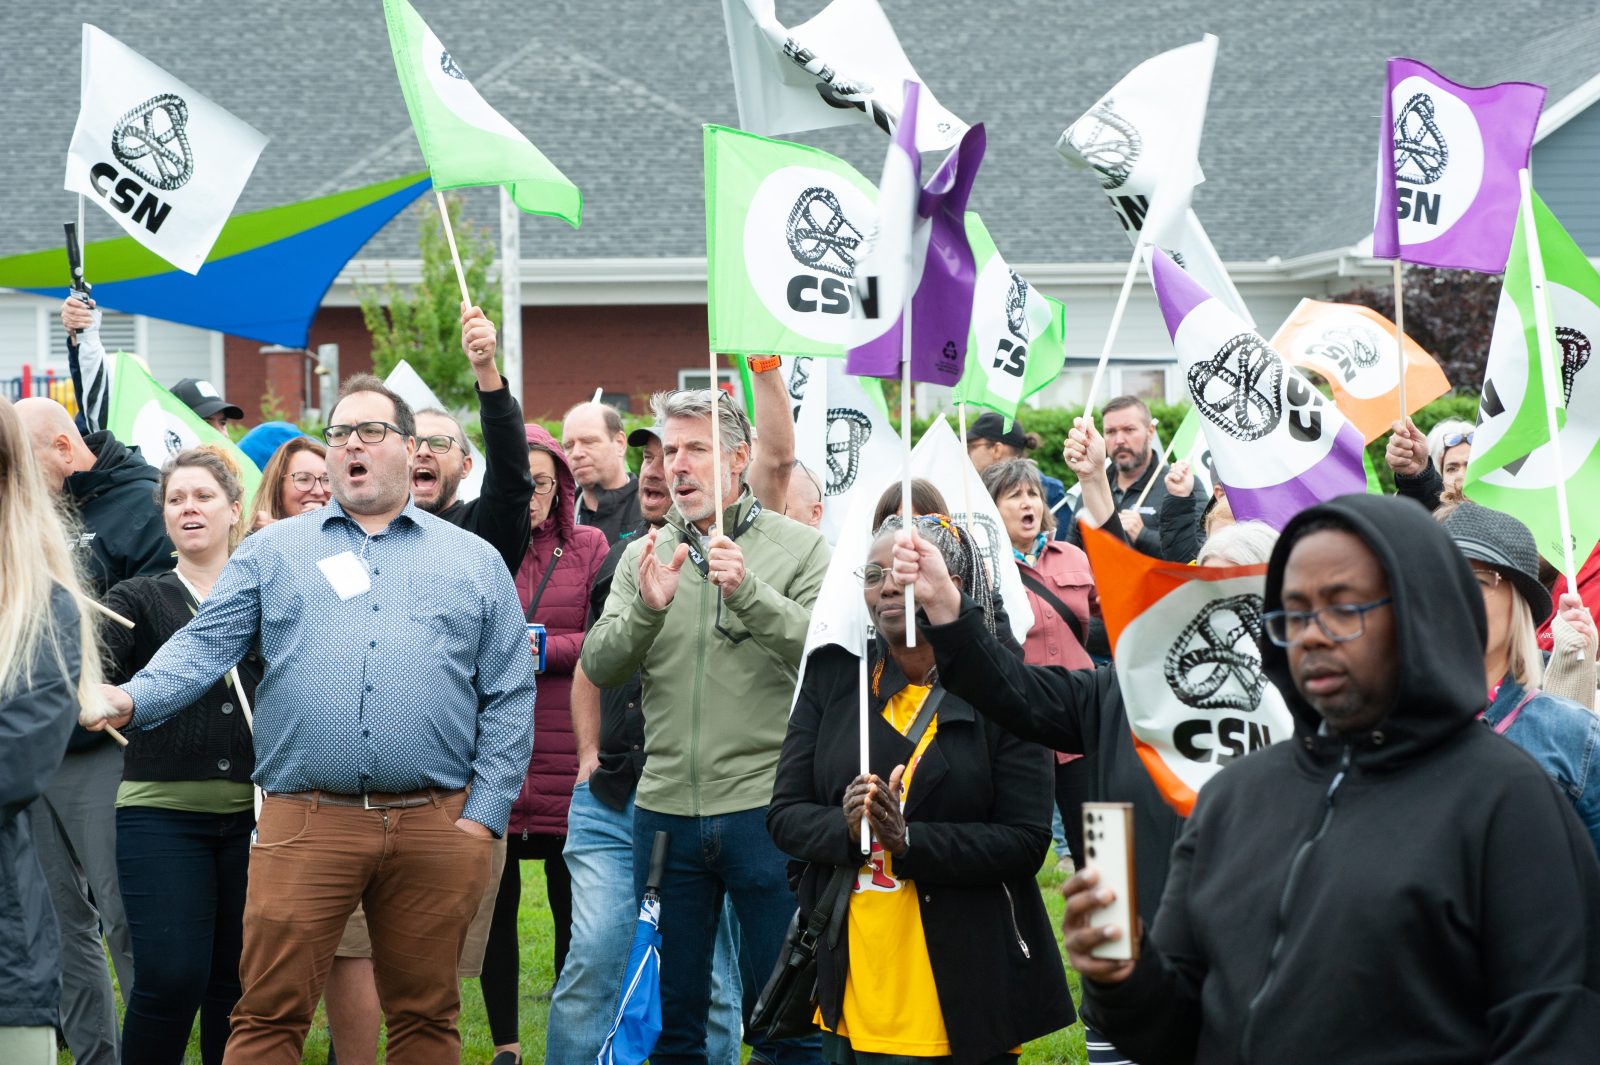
(543, 486)
(304, 481)
(871, 575)
(369, 432)
(1339, 622)
(439, 445)
(1452, 439)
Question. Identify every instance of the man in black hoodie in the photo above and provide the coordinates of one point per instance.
(1395, 884)
(122, 535)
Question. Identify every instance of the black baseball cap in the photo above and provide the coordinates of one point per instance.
(204, 399)
(991, 426)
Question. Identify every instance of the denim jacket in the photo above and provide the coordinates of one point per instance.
(1563, 737)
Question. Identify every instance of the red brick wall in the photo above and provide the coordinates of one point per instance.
(567, 352)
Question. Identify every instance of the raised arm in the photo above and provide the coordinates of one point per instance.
(772, 464)
(501, 515)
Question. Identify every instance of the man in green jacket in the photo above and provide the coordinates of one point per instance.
(715, 620)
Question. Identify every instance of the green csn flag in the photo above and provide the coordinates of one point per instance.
(785, 225)
(465, 141)
(142, 414)
(1512, 466)
(1017, 342)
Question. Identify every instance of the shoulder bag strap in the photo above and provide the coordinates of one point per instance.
(1037, 587)
(538, 593)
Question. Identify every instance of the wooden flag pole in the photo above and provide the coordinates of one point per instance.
(716, 446)
(1400, 333)
(1111, 333)
(122, 741)
(1547, 367)
(450, 239)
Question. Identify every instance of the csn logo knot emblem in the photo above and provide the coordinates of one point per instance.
(1108, 142)
(1420, 152)
(1575, 351)
(1215, 663)
(848, 432)
(820, 236)
(1240, 391)
(151, 140)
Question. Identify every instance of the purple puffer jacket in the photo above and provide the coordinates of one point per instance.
(541, 809)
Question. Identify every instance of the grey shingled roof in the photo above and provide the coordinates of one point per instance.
(615, 92)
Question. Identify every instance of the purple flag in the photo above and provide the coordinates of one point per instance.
(1447, 168)
(921, 249)
(1278, 444)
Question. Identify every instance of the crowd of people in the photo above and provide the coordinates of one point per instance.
(354, 704)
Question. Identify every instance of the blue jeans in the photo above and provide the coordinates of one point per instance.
(183, 886)
(599, 857)
(711, 857)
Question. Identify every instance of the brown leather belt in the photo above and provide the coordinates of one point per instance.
(372, 800)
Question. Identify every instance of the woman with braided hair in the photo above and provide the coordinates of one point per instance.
(945, 951)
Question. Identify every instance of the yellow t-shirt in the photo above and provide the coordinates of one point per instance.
(890, 1003)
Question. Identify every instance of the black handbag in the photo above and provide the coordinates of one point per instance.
(787, 1007)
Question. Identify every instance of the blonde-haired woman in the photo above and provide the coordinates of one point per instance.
(185, 808)
(1563, 737)
(295, 481)
(48, 669)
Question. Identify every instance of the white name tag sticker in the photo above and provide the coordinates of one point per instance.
(346, 574)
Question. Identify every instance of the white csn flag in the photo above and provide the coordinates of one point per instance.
(1142, 141)
(164, 161)
(843, 66)
(842, 434)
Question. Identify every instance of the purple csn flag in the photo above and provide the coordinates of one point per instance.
(921, 248)
(1447, 168)
(1278, 444)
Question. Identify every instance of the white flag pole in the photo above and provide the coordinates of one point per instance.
(83, 240)
(1111, 333)
(1400, 332)
(716, 445)
(966, 489)
(905, 470)
(450, 239)
(1161, 464)
(866, 765)
(1552, 387)
(510, 292)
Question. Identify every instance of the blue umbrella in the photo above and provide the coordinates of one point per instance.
(634, 1033)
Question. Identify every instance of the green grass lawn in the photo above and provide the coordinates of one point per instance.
(536, 930)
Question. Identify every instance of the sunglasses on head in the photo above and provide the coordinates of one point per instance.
(1452, 439)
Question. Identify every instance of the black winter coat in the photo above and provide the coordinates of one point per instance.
(1419, 893)
(500, 513)
(1077, 711)
(123, 531)
(979, 827)
(34, 725)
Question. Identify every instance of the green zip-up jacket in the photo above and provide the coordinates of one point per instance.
(717, 685)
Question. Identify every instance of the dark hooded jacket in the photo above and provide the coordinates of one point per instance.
(500, 513)
(116, 503)
(1417, 893)
(563, 609)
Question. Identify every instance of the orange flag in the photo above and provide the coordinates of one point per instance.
(1352, 348)
(1186, 644)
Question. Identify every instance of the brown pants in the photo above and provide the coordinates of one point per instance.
(420, 880)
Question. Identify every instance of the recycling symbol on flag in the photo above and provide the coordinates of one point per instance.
(1420, 151)
(1215, 663)
(1575, 350)
(820, 236)
(153, 142)
(844, 453)
(1353, 343)
(448, 65)
(1108, 142)
(1240, 391)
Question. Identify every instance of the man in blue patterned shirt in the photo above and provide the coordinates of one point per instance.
(392, 731)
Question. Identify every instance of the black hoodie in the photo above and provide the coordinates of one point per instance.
(1419, 894)
(116, 502)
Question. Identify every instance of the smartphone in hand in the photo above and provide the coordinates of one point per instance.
(1108, 850)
